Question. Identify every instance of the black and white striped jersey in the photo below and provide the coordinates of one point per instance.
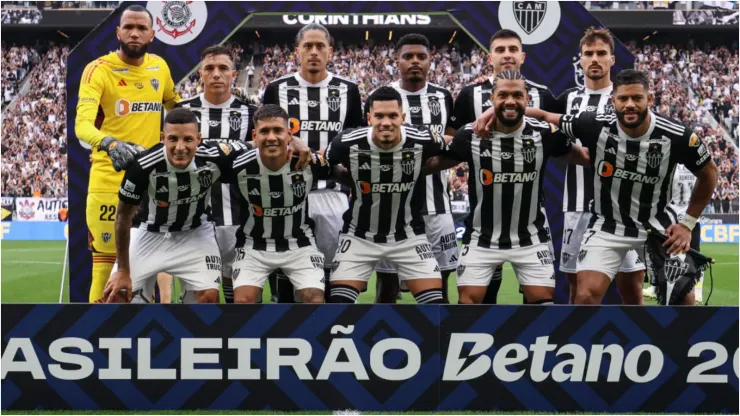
(223, 123)
(633, 176)
(277, 218)
(505, 184)
(431, 106)
(683, 186)
(579, 184)
(388, 186)
(172, 199)
(474, 99)
(318, 112)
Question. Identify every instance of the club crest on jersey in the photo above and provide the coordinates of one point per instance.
(333, 101)
(106, 237)
(155, 84)
(529, 150)
(204, 179)
(654, 155)
(434, 106)
(529, 14)
(235, 120)
(298, 186)
(407, 163)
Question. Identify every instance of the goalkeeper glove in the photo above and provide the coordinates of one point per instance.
(121, 153)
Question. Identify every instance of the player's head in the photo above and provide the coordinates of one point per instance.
(506, 51)
(509, 97)
(385, 114)
(217, 69)
(135, 31)
(412, 55)
(631, 97)
(181, 136)
(271, 132)
(314, 46)
(597, 53)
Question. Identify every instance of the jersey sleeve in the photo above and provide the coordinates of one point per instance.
(250, 128)
(694, 154)
(271, 94)
(548, 101)
(354, 116)
(337, 152)
(450, 105)
(434, 147)
(320, 168)
(459, 147)
(583, 126)
(463, 112)
(555, 142)
(91, 90)
(170, 96)
(134, 185)
(561, 103)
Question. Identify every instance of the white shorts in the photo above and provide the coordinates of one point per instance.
(192, 256)
(574, 227)
(605, 252)
(532, 264)
(326, 208)
(356, 258)
(440, 230)
(304, 267)
(226, 239)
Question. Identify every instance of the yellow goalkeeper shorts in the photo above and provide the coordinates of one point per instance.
(101, 220)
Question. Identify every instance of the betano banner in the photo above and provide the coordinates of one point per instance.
(39, 209)
(370, 358)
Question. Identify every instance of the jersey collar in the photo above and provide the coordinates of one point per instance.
(514, 133)
(283, 169)
(398, 146)
(171, 168)
(397, 86)
(605, 90)
(208, 104)
(303, 83)
(645, 136)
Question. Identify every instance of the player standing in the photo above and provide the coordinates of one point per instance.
(429, 105)
(223, 118)
(384, 220)
(320, 105)
(161, 222)
(507, 221)
(275, 231)
(118, 114)
(633, 154)
(505, 54)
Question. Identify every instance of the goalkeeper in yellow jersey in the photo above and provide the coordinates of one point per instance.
(118, 115)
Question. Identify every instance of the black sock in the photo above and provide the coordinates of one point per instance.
(491, 296)
(344, 294)
(327, 293)
(285, 289)
(445, 277)
(429, 296)
(272, 281)
(228, 288)
(387, 287)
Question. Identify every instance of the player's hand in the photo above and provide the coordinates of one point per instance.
(297, 146)
(679, 239)
(121, 153)
(120, 281)
(484, 123)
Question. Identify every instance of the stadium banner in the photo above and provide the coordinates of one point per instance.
(706, 16)
(719, 218)
(720, 233)
(60, 19)
(552, 48)
(39, 209)
(667, 19)
(459, 207)
(34, 231)
(8, 207)
(370, 358)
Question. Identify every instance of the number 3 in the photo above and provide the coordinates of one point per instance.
(109, 210)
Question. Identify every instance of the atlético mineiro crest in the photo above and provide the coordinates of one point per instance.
(654, 155)
(178, 22)
(529, 150)
(674, 269)
(235, 120)
(106, 237)
(204, 179)
(407, 162)
(298, 186)
(434, 106)
(333, 101)
(155, 84)
(529, 14)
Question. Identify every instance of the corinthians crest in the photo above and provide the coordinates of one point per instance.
(529, 14)
(178, 19)
(529, 150)
(434, 106)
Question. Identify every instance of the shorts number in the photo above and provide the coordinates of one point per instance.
(109, 210)
(465, 250)
(569, 232)
(592, 232)
(343, 246)
(239, 255)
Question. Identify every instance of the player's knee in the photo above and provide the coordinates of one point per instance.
(586, 295)
(469, 297)
(207, 296)
(311, 295)
(241, 297)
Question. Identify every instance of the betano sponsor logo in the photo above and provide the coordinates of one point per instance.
(258, 211)
(125, 107)
(487, 177)
(384, 188)
(607, 170)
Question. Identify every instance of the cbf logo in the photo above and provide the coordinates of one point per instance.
(178, 22)
(235, 120)
(434, 106)
(407, 162)
(299, 186)
(675, 268)
(578, 74)
(654, 155)
(333, 101)
(529, 150)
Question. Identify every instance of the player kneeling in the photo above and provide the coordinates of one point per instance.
(171, 231)
(276, 231)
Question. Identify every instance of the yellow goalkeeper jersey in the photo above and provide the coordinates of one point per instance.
(123, 101)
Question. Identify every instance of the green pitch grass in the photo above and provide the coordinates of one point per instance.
(32, 271)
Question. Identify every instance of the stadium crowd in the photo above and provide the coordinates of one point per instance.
(689, 83)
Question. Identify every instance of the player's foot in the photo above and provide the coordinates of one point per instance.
(399, 296)
(649, 292)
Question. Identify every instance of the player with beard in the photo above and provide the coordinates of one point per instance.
(429, 105)
(507, 222)
(118, 115)
(474, 100)
(633, 155)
